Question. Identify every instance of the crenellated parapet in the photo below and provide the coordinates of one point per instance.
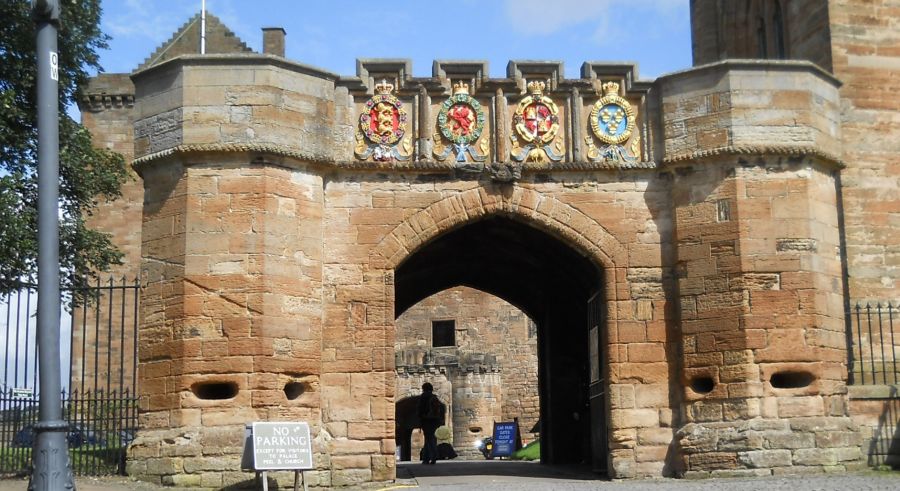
(459, 119)
(462, 120)
(534, 118)
(107, 91)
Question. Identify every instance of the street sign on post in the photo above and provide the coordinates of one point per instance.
(284, 445)
(281, 446)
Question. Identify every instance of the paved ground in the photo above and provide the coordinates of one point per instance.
(88, 484)
(528, 476)
(525, 476)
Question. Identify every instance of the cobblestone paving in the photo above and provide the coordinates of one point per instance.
(795, 483)
(495, 476)
(502, 476)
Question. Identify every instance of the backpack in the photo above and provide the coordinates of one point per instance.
(435, 410)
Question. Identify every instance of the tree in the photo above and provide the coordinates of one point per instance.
(87, 174)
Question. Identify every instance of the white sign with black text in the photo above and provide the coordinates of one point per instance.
(281, 446)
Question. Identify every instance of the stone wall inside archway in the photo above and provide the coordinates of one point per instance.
(492, 364)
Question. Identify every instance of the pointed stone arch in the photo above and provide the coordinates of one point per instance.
(547, 213)
(564, 224)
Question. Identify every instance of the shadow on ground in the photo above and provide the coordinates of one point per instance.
(412, 470)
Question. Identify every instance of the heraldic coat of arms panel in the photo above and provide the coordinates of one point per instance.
(532, 119)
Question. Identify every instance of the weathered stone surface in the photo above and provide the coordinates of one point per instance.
(740, 473)
(789, 440)
(765, 458)
(694, 438)
(269, 252)
(815, 456)
(183, 480)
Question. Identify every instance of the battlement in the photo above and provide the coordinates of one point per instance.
(105, 91)
(532, 120)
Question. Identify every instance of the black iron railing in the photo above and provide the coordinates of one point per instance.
(103, 350)
(101, 425)
(874, 336)
(99, 373)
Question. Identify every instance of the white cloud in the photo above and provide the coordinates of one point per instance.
(159, 19)
(155, 20)
(542, 17)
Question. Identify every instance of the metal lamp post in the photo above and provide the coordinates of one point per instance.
(50, 455)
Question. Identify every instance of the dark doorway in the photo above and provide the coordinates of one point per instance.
(551, 282)
(406, 421)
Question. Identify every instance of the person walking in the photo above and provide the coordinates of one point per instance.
(431, 415)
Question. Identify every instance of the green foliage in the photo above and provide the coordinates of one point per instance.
(532, 451)
(87, 174)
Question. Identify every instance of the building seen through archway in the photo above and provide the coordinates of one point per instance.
(481, 354)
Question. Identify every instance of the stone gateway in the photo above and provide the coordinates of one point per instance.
(694, 239)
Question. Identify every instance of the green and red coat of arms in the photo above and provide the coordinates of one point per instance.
(460, 121)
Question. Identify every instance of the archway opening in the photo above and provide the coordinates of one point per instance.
(552, 283)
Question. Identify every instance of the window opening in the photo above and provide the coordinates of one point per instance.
(761, 47)
(778, 23)
(443, 333)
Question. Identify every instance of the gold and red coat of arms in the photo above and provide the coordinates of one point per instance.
(536, 123)
(382, 125)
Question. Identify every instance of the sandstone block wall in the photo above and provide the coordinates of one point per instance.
(856, 41)
(759, 276)
(231, 330)
(762, 323)
(751, 106)
(747, 29)
(107, 111)
(864, 40)
(264, 102)
(359, 205)
(491, 336)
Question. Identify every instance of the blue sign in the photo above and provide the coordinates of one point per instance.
(505, 439)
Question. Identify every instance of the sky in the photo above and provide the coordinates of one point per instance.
(17, 362)
(332, 34)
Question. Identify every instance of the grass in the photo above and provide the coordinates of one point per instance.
(532, 451)
(15, 461)
(84, 460)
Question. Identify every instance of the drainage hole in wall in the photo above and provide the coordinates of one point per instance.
(214, 390)
(474, 429)
(791, 380)
(702, 385)
(293, 390)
